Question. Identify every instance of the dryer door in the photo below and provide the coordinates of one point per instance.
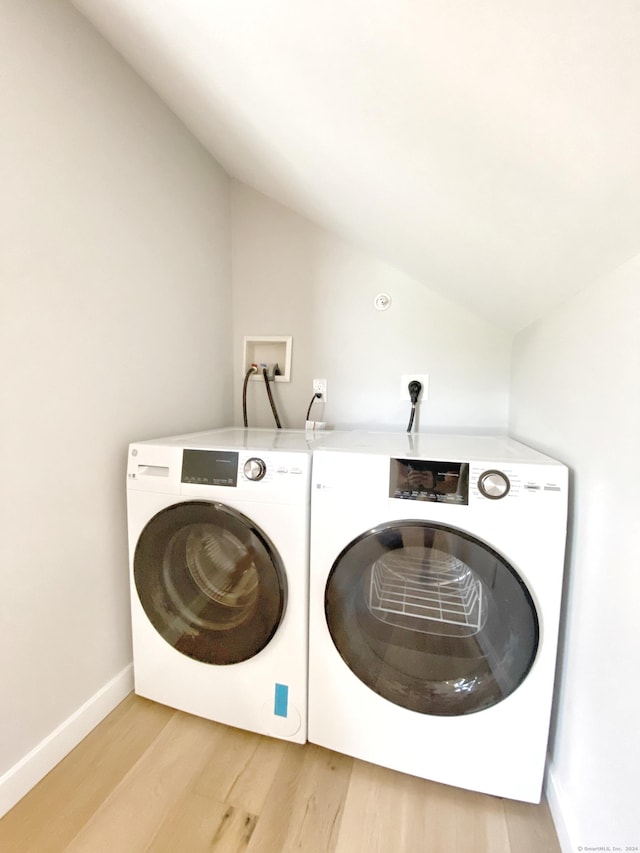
(210, 582)
(431, 618)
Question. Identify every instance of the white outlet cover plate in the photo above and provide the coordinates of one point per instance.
(406, 378)
(320, 387)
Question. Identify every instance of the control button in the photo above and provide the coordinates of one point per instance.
(254, 469)
(296, 470)
(494, 484)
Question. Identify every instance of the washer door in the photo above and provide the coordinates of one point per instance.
(431, 618)
(210, 582)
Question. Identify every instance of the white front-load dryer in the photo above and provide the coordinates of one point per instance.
(436, 577)
(218, 540)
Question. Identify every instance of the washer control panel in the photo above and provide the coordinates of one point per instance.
(254, 468)
(210, 467)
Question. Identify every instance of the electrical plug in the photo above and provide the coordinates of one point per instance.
(415, 388)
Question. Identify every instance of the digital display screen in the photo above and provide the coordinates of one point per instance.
(210, 467)
(422, 480)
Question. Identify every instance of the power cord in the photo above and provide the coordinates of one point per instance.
(252, 369)
(265, 376)
(415, 388)
(316, 396)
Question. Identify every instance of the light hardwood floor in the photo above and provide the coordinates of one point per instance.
(149, 778)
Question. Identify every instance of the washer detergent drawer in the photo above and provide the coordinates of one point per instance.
(154, 469)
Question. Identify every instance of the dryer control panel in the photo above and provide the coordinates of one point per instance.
(429, 480)
(493, 484)
(515, 481)
(458, 483)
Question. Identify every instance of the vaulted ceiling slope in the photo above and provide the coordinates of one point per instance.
(490, 149)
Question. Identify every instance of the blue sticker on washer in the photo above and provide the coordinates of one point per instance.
(280, 705)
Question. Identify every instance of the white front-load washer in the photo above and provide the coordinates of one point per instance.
(436, 577)
(218, 539)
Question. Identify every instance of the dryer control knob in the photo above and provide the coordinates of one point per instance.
(254, 468)
(494, 484)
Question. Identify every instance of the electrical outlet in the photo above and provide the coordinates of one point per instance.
(406, 378)
(320, 387)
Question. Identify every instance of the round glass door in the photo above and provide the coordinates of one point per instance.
(210, 582)
(431, 618)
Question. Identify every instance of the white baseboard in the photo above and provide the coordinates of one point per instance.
(555, 798)
(34, 766)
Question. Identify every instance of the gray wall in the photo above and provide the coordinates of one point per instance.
(575, 394)
(115, 325)
(291, 277)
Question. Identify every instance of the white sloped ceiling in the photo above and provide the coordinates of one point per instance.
(490, 149)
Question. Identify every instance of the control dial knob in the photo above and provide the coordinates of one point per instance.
(494, 484)
(254, 468)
